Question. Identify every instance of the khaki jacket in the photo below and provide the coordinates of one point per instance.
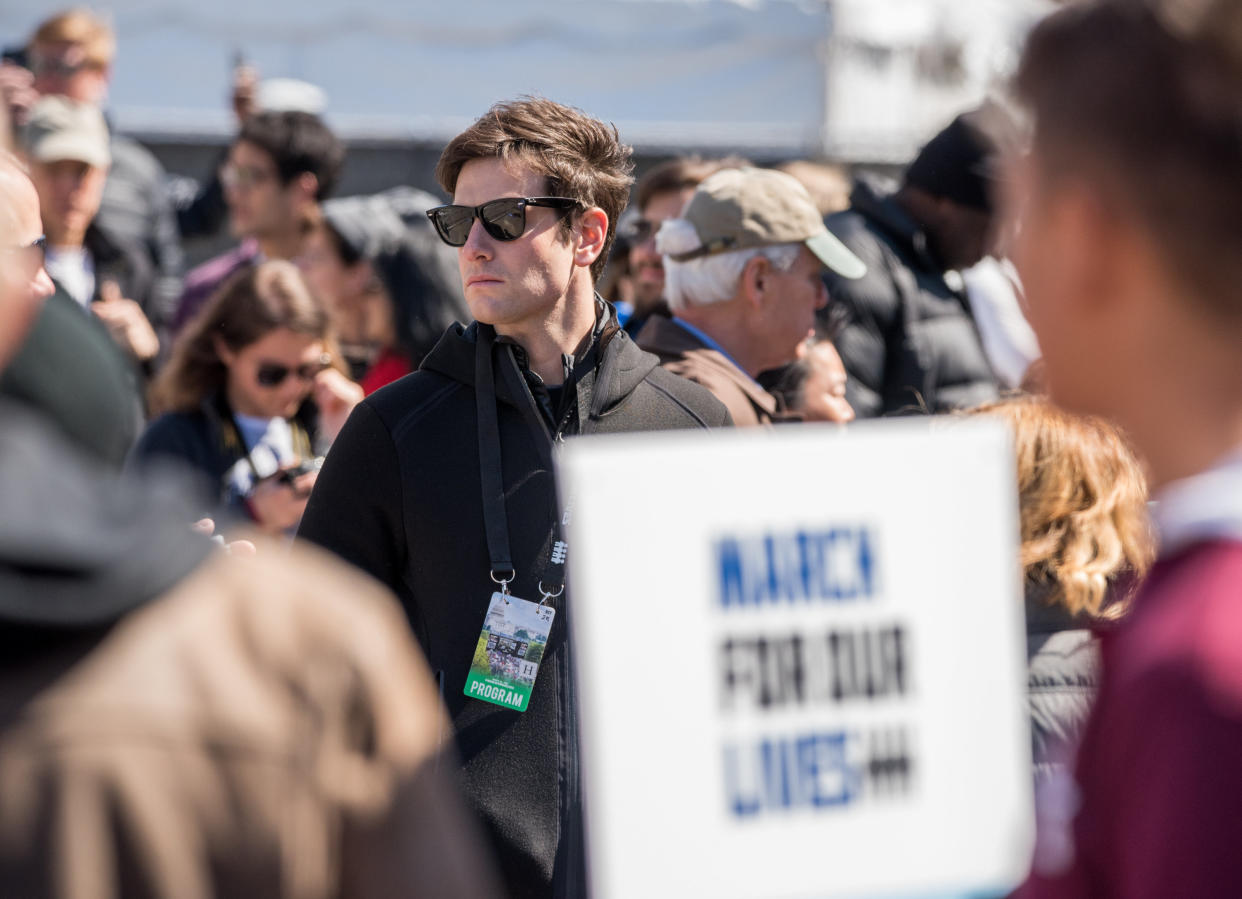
(684, 354)
(265, 729)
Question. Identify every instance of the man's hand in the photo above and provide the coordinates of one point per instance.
(336, 396)
(17, 92)
(277, 505)
(245, 92)
(207, 527)
(126, 322)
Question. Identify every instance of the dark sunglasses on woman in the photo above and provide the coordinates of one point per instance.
(273, 374)
(503, 219)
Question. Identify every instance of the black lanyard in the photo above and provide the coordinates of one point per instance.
(491, 479)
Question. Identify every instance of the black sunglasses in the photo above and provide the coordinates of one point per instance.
(273, 374)
(503, 219)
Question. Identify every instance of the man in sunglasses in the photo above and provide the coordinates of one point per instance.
(440, 485)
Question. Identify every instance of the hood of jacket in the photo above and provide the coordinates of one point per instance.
(875, 198)
(80, 547)
(604, 373)
(418, 270)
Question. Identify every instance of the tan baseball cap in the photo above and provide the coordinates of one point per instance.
(740, 209)
(59, 128)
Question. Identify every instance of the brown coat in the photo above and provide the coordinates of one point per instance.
(684, 354)
(265, 729)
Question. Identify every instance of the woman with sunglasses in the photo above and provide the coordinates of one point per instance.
(252, 397)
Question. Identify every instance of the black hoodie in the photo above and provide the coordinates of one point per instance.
(400, 496)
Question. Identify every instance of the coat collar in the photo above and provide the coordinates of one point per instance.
(667, 337)
(876, 199)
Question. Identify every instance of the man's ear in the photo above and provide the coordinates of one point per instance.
(756, 281)
(1088, 245)
(307, 185)
(222, 350)
(592, 230)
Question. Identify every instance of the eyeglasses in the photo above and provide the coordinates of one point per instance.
(503, 219)
(59, 66)
(273, 374)
(241, 177)
(34, 252)
(639, 229)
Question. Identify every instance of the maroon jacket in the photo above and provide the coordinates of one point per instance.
(202, 283)
(1160, 765)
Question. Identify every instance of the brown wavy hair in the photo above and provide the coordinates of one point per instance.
(250, 305)
(581, 157)
(1083, 505)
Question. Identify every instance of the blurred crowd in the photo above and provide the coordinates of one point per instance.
(244, 714)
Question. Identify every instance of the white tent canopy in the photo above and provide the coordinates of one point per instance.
(768, 76)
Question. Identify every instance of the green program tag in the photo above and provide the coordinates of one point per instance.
(507, 656)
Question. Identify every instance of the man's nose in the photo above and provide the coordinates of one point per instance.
(42, 284)
(478, 242)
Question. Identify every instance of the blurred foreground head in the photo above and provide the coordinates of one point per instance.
(1083, 505)
(1128, 211)
(23, 281)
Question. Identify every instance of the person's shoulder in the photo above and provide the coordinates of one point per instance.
(128, 155)
(173, 432)
(209, 274)
(1186, 622)
(327, 602)
(686, 399)
(418, 398)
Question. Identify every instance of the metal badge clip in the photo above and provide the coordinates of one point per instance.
(504, 583)
(547, 596)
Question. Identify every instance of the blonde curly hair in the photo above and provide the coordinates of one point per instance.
(1083, 505)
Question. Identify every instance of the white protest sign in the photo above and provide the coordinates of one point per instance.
(801, 661)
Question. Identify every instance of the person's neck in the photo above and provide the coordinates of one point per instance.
(239, 406)
(1185, 414)
(66, 241)
(719, 323)
(284, 244)
(563, 333)
(1190, 426)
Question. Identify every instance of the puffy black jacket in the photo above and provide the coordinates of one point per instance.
(399, 496)
(1062, 669)
(909, 341)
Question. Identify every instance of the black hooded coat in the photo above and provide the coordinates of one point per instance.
(400, 497)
